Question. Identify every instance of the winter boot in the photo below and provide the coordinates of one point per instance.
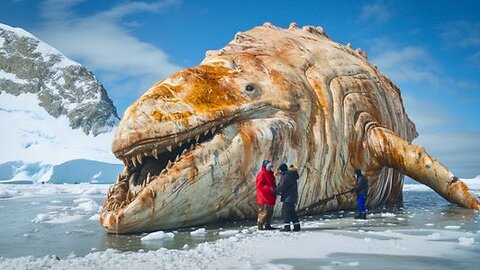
(296, 227)
(363, 216)
(269, 227)
(286, 228)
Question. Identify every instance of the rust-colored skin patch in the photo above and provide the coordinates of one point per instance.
(288, 95)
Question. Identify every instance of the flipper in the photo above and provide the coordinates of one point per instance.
(414, 161)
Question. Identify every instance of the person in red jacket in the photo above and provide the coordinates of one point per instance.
(266, 196)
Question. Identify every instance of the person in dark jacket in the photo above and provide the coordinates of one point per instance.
(266, 196)
(289, 196)
(361, 189)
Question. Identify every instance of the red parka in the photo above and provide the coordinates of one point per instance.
(265, 185)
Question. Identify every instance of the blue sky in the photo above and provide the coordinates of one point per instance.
(430, 49)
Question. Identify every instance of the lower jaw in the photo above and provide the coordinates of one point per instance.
(195, 191)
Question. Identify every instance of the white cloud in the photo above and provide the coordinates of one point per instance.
(427, 113)
(461, 33)
(375, 12)
(465, 35)
(102, 42)
(456, 150)
(410, 65)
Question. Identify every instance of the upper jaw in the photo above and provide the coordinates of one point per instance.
(132, 149)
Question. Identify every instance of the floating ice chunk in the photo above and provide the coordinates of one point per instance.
(452, 227)
(466, 241)
(199, 232)
(81, 200)
(433, 236)
(228, 232)
(160, 235)
(41, 218)
(94, 217)
(64, 218)
(56, 218)
(88, 206)
(4, 193)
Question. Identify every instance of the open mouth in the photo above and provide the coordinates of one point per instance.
(148, 161)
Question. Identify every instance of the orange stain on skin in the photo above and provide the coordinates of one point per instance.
(208, 89)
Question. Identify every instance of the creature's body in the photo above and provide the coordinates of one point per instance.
(193, 143)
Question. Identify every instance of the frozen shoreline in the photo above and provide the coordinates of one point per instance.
(428, 235)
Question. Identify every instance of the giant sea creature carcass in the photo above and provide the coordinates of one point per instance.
(193, 143)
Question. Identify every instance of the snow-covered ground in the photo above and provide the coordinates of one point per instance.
(438, 236)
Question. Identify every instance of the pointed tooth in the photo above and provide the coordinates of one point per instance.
(177, 158)
(191, 147)
(144, 184)
(139, 158)
(221, 125)
(169, 148)
(205, 132)
(213, 130)
(169, 164)
(134, 161)
(164, 170)
(197, 137)
(180, 144)
(184, 151)
(122, 204)
(189, 140)
(155, 153)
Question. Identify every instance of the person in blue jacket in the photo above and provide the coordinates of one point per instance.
(361, 189)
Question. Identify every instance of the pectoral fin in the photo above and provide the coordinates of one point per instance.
(414, 161)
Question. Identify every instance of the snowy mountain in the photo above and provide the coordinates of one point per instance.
(53, 111)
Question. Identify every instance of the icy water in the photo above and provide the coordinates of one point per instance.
(40, 225)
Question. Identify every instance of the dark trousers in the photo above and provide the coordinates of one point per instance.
(289, 214)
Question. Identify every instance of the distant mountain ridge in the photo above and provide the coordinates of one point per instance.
(63, 87)
(56, 118)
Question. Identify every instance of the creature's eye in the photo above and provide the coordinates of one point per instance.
(249, 88)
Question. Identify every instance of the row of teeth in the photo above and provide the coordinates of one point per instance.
(113, 203)
(136, 189)
(138, 159)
